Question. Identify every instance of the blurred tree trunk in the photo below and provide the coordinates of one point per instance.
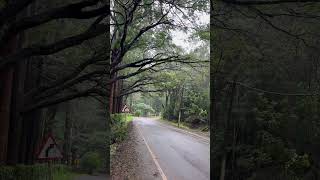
(48, 122)
(16, 119)
(120, 98)
(6, 88)
(6, 84)
(6, 77)
(223, 167)
(67, 134)
(111, 98)
(108, 118)
(115, 98)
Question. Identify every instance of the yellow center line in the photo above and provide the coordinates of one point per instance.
(163, 176)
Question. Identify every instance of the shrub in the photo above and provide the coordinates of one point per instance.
(298, 164)
(137, 113)
(119, 127)
(91, 161)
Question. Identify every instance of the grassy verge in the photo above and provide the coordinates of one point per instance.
(183, 125)
(67, 175)
(37, 172)
(202, 129)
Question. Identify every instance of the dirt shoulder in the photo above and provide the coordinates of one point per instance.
(132, 160)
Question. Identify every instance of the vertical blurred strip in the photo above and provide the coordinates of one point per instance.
(211, 113)
(107, 108)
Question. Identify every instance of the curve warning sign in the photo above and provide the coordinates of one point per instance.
(49, 150)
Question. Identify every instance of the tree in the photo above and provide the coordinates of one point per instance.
(139, 43)
(33, 81)
(259, 59)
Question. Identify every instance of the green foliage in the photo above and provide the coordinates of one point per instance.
(7, 172)
(63, 172)
(91, 161)
(277, 135)
(275, 138)
(143, 109)
(64, 175)
(2, 3)
(168, 112)
(119, 127)
(298, 164)
(203, 34)
(188, 93)
(89, 127)
(34, 172)
(137, 113)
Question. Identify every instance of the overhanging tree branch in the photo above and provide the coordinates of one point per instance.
(56, 100)
(54, 47)
(69, 11)
(12, 9)
(78, 70)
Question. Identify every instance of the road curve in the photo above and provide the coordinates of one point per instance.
(178, 154)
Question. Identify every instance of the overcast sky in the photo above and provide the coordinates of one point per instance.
(180, 38)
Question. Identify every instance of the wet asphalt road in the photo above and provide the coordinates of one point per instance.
(180, 155)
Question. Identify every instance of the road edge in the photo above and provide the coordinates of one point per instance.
(163, 176)
(207, 139)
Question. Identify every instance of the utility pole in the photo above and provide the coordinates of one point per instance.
(179, 118)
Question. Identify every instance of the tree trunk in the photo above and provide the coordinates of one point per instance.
(6, 77)
(120, 98)
(6, 87)
(32, 136)
(223, 167)
(49, 116)
(68, 134)
(111, 98)
(16, 117)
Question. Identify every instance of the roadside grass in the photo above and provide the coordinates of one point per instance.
(66, 175)
(39, 171)
(129, 117)
(183, 125)
(201, 129)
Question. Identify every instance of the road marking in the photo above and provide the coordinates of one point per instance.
(163, 176)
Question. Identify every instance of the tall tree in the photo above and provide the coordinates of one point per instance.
(33, 82)
(266, 51)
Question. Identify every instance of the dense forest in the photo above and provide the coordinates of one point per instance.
(149, 65)
(53, 69)
(181, 94)
(265, 90)
(67, 67)
(156, 68)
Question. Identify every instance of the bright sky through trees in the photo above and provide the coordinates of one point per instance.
(182, 38)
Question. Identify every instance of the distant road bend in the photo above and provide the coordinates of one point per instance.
(178, 155)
